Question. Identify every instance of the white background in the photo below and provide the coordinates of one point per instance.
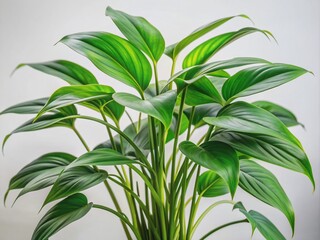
(28, 31)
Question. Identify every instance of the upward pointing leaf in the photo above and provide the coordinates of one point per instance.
(216, 156)
(70, 72)
(160, 107)
(139, 32)
(173, 50)
(114, 56)
(61, 215)
(206, 50)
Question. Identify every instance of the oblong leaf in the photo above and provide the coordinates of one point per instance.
(114, 56)
(61, 215)
(160, 107)
(262, 184)
(139, 32)
(259, 78)
(72, 73)
(201, 111)
(27, 107)
(211, 184)
(216, 156)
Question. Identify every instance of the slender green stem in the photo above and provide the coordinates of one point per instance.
(172, 71)
(155, 69)
(108, 130)
(81, 138)
(223, 226)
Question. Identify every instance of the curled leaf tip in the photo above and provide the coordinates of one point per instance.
(247, 17)
(16, 68)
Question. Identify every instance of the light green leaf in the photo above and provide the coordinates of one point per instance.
(160, 107)
(173, 50)
(263, 185)
(216, 156)
(61, 215)
(211, 184)
(27, 107)
(286, 116)
(258, 79)
(209, 48)
(70, 72)
(139, 32)
(114, 56)
(74, 180)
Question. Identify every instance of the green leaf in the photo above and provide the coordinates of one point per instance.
(263, 185)
(258, 79)
(114, 56)
(139, 32)
(94, 96)
(70, 72)
(201, 111)
(102, 157)
(286, 116)
(160, 107)
(61, 215)
(173, 50)
(273, 150)
(209, 48)
(46, 165)
(113, 110)
(74, 180)
(27, 107)
(216, 156)
(211, 184)
(183, 126)
(263, 224)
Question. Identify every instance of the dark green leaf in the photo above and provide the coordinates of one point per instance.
(113, 110)
(27, 107)
(258, 79)
(216, 156)
(201, 111)
(263, 185)
(114, 56)
(61, 215)
(70, 72)
(211, 184)
(139, 32)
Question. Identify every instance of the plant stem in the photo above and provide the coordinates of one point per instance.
(223, 226)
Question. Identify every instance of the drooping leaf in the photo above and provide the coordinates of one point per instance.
(216, 156)
(74, 180)
(62, 214)
(102, 157)
(114, 56)
(262, 184)
(70, 72)
(173, 50)
(263, 224)
(46, 165)
(286, 116)
(139, 32)
(209, 48)
(273, 150)
(27, 107)
(211, 184)
(258, 79)
(160, 107)
(201, 111)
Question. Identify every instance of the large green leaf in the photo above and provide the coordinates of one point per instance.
(102, 157)
(75, 180)
(27, 107)
(160, 107)
(139, 32)
(286, 116)
(259, 78)
(263, 185)
(271, 149)
(209, 48)
(263, 224)
(211, 184)
(70, 72)
(216, 156)
(173, 50)
(247, 118)
(46, 165)
(94, 96)
(114, 56)
(201, 111)
(61, 215)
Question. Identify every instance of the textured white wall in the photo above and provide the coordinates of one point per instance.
(28, 30)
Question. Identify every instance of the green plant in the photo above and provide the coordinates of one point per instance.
(155, 179)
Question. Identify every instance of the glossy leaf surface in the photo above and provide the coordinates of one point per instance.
(211, 184)
(201, 111)
(27, 107)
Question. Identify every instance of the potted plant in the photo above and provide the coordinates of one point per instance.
(202, 97)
